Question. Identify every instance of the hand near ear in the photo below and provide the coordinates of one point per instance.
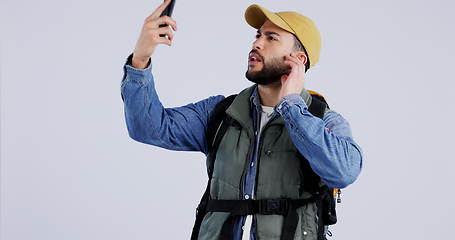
(294, 82)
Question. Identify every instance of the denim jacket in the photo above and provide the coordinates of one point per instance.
(327, 144)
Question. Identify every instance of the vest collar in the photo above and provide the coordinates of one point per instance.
(242, 106)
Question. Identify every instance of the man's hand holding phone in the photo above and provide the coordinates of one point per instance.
(150, 34)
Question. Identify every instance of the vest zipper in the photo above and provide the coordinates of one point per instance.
(259, 150)
(248, 163)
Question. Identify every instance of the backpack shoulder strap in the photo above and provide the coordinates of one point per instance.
(216, 128)
(217, 125)
(326, 202)
(318, 106)
(216, 118)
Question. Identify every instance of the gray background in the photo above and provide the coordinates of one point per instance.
(70, 171)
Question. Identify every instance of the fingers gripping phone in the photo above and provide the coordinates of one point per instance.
(168, 12)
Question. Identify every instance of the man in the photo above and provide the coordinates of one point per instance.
(260, 158)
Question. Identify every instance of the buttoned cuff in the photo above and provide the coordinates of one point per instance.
(288, 101)
(136, 74)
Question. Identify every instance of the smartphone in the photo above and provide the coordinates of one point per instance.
(168, 12)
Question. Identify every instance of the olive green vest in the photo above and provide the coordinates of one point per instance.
(279, 173)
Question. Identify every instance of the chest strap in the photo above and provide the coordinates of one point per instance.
(284, 207)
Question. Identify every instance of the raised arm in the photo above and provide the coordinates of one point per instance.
(180, 128)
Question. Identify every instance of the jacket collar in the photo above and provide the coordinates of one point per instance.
(243, 104)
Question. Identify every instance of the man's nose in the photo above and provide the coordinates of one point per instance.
(258, 44)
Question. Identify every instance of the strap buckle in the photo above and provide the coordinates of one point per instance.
(273, 206)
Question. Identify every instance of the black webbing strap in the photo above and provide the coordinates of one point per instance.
(217, 126)
(317, 107)
(284, 207)
(200, 213)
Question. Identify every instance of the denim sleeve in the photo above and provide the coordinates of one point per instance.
(179, 128)
(327, 143)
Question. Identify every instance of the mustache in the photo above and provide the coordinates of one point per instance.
(255, 51)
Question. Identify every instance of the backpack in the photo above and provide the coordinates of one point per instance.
(323, 196)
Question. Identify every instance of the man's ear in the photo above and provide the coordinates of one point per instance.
(302, 57)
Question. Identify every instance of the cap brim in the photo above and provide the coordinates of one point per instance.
(256, 16)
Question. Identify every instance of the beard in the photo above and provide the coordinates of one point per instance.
(270, 74)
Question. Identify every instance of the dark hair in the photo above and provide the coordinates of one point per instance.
(298, 46)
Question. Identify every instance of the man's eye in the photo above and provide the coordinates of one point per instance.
(257, 36)
(271, 38)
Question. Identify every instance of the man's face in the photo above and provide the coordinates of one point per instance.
(266, 59)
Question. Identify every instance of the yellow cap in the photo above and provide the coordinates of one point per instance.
(301, 26)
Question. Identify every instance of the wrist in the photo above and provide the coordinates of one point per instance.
(139, 62)
(287, 94)
(290, 99)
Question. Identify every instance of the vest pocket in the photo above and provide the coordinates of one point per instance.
(270, 226)
(211, 225)
(308, 221)
(279, 174)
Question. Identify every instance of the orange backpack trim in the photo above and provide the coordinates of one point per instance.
(316, 93)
